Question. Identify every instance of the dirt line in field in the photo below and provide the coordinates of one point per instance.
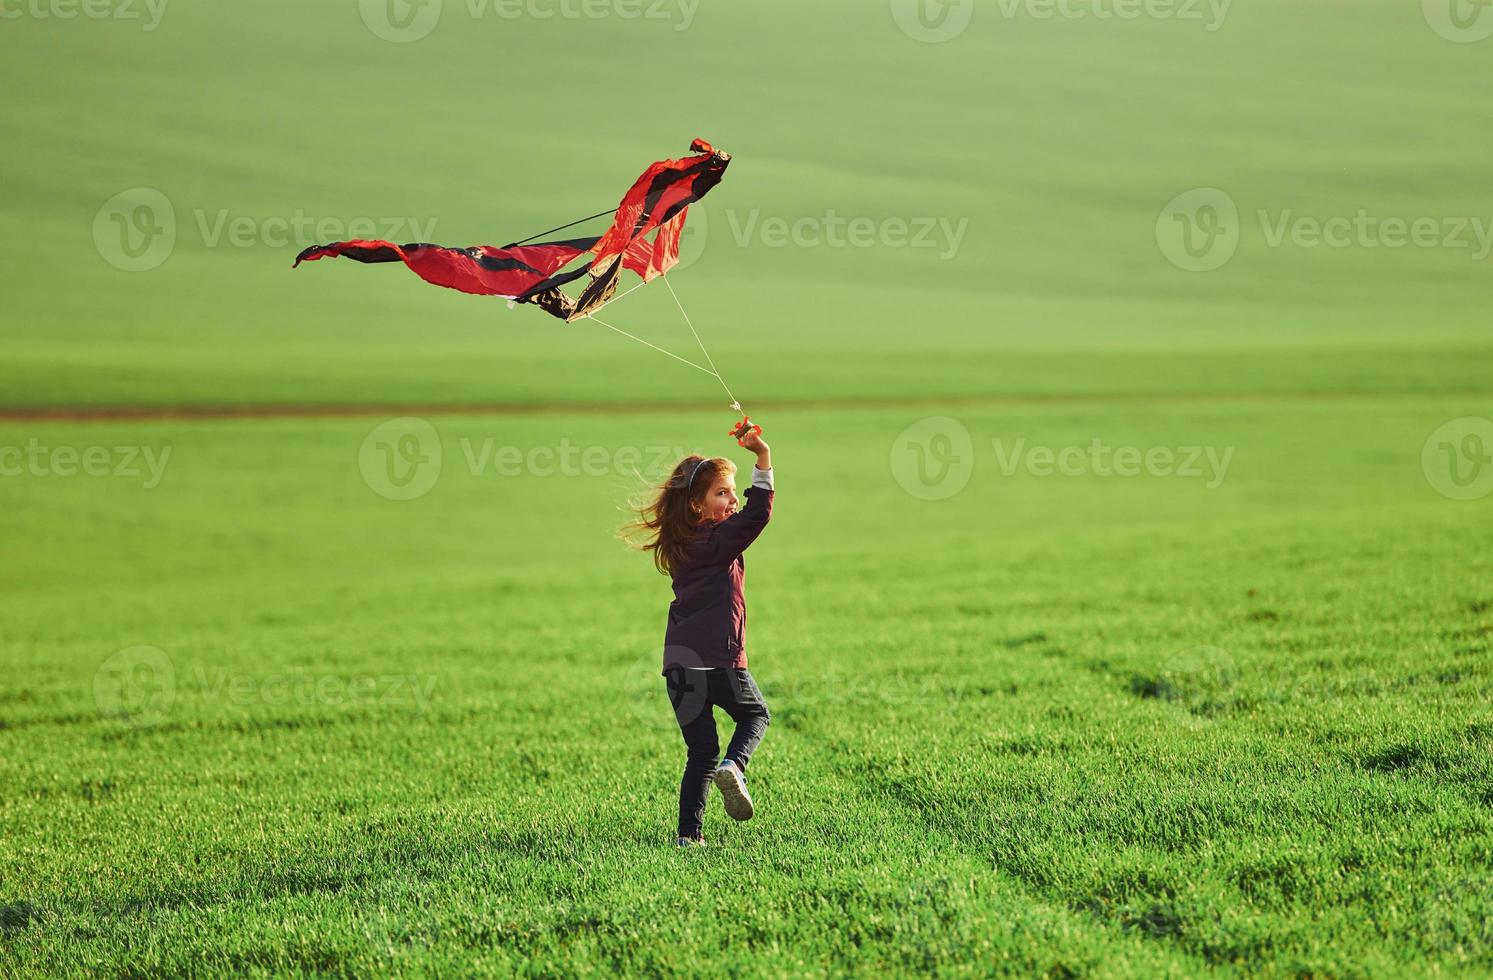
(109, 413)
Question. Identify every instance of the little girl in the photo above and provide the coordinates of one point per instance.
(697, 536)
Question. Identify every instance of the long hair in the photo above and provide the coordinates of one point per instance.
(669, 512)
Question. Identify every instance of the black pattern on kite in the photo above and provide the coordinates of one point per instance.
(656, 205)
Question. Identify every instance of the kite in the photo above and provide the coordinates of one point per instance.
(656, 205)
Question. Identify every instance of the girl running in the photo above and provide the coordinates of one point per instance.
(697, 532)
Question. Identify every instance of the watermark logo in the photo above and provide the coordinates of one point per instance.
(1198, 230)
(135, 230)
(693, 237)
(1199, 669)
(663, 700)
(1201, 679)
(932, 21)
(136, 685)
(932, 459)
(1457, 459)
(1460, 21)
(401, 459)
(400, 21)
(645, 690)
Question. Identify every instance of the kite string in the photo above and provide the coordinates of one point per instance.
(697, 367)
(619, 296)
(708, 359)
(711, 370)
(561, 228)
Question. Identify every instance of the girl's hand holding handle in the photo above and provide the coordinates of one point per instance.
(749, 437)
(752, 442)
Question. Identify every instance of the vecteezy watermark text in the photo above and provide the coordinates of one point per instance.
(402, 459)
(567, 459)
(935, 21)
(405, 21)
(934, 458)
(1366, 230)
(1211, 13)
(148, 11)
(245, 231)
(1103, 460)
(137, 230)
(680, 12)
(1201, 230)
(36, 459)
(833, 230)
(662, 704)
(220, 686)
(141, 686)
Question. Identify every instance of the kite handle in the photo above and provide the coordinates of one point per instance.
(744, 428)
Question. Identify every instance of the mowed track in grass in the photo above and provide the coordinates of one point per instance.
(1099, 725)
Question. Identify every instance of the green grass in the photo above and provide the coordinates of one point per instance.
(1056, 143)
(1050, 724)
(1088, 725)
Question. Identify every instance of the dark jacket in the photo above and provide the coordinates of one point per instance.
(707, 619)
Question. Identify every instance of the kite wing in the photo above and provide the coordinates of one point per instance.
(655, 205)
(481, 269)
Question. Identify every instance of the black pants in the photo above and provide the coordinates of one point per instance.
(694, 694)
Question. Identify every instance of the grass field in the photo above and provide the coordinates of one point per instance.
(1226, 715)
(1052, 144)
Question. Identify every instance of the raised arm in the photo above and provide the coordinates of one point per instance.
(733, 535)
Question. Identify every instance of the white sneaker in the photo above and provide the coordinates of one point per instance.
(732, 784)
